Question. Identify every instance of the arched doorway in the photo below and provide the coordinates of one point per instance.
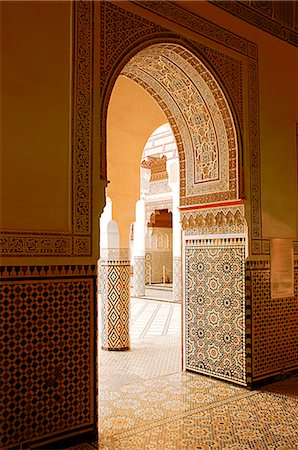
(211, 210)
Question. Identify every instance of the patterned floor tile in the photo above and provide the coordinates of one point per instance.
(147, 403)
(255, 421)
(131, 406)
(148, 358)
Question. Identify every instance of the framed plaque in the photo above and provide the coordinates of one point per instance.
(282, 268)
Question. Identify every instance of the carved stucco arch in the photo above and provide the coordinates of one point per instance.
(213, 61)
(200, 117)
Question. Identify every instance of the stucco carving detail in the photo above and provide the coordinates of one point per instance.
(189, 20)
(230, 70)
(228, 220)
(275, 17)
(202, 116)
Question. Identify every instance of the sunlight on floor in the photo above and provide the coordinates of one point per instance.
(147, 403)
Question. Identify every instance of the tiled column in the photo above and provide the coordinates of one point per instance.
(115, 299)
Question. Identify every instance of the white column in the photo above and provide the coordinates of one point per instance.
(105, 218)
(176, 248)
(173, 171)
(139, 250)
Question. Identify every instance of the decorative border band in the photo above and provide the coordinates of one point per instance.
(57, 271)
(177, 14)
(260, 20)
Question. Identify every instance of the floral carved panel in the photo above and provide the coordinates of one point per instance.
(195, 102)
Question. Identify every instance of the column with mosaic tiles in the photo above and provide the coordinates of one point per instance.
(115, 299)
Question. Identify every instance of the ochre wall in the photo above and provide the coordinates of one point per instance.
(132, 117)
(279, 114)
(36, 58)
(35, 102)
(45, 302)
(278, 102)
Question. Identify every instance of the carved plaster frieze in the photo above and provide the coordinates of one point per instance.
(157, 206)
(274, 17)
(201, 113)
(159, 187)
(214, 221)
(120, 44)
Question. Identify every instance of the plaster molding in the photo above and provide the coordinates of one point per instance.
(276, 18)
(229, 220)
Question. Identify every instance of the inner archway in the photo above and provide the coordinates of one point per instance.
(211, 212)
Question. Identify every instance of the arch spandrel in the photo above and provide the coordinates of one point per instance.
(200, 117)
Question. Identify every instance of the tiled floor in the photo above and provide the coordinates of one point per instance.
(155, 345)
(146, 402)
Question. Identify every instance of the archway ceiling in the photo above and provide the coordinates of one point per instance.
(200, 118)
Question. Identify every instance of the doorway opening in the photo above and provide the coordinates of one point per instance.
(167, 84)
(154, 313)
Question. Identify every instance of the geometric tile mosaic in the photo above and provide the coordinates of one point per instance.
(115, 296)
(185, 411)
(237, 422)
(215, 308)
(143, 409)
(128, 408)
(274, 326)
(48, 358)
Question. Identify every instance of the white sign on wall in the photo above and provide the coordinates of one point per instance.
(282, 268)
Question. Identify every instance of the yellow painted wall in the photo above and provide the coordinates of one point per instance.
(35, 116)
(279, 113)
(35, 121)
(132, 117)
(278, 96)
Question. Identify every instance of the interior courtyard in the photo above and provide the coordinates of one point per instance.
(149, 225)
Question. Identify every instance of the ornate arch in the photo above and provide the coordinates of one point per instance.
(211, 201)
(135, 35)
(200, 118)
(235, 71)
